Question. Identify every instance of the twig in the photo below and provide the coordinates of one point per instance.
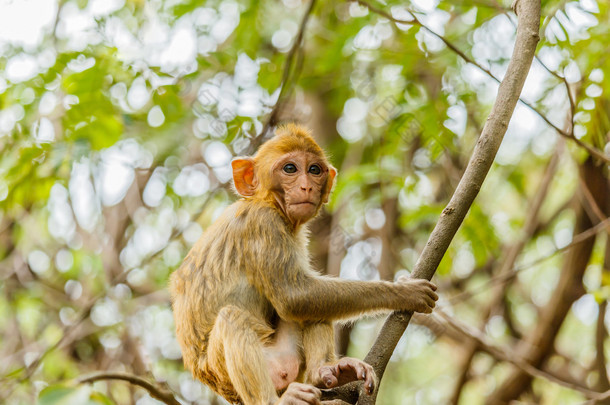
(581, 237)
(85, 312)
(569, 135)
(288, 65)
(552, 72)
(568, 92)
(162, 394)
(504, 354)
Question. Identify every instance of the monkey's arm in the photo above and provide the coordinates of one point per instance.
(311, 297)
(277, 264)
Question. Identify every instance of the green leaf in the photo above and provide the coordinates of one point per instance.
(62, 394)
(99, 398)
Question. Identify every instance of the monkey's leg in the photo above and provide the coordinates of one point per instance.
(283, 354)
(319, 350)
(235, 350)
(322, 369)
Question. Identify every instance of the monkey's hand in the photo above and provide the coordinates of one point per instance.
(347, 370)
(419, 295)
(300, 394)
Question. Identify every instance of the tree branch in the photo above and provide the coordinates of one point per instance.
(162, 394)
(509, 356)
(502, 278)
(288, 67)
(482, 158)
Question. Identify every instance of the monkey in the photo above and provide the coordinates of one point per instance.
(254, 321)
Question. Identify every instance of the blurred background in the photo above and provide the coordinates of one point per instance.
(118, 121)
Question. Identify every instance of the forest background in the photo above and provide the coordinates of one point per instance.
(118, 120)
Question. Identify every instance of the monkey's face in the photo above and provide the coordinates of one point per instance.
(300, 180)
(290, 170)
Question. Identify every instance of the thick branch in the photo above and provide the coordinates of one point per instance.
(159, 393)
(488, 143)
(485, 151)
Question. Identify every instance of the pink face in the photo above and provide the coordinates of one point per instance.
(300, 180)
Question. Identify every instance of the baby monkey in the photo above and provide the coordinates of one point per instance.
(254, 321)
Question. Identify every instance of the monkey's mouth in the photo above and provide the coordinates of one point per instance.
(304, 203)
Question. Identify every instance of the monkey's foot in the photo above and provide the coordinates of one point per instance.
(300, 394)
(347, 370)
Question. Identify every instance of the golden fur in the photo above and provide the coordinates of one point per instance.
(249, 272)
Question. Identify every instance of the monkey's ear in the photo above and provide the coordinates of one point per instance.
(332, 173)
(244, 177)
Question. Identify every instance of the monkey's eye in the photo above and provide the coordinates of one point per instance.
(315, 169)
(289, 168)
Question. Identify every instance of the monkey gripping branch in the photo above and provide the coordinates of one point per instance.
(528, 13)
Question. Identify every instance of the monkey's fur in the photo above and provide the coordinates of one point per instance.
(249, 274)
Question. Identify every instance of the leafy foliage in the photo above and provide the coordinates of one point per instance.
(117, 126)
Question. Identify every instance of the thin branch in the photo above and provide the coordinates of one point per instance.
(162, 394)
(569, 135)
(85, 311)
(568, 92)
(552, 72)
(504, 354)
(581, 237)
(288, 68)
